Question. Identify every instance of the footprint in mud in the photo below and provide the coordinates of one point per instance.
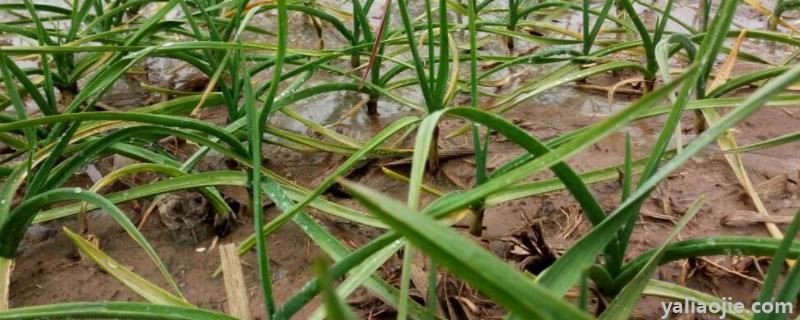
(186, 214)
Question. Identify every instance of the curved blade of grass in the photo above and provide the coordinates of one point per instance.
(590, 36)
(211, 194)
(418, 64)
(727, 141)
(480, 150)
(38, 181)
(336, 250)
(665, 15)
(767, 290)
(378, 38)
(662, 59)
(696, 77)
(790, 289)
(365, 273)
(766, 144)
(751, 78)
(119, 310)
(163, 120)
(180, 105)
(141, 286)
(573, 183)
(756, 4)
(480, 268)
(450, 82)
(648, 42)
(571, 5)
(567, 73)
(543, 56)
(527, 189)
(307, 293)
(357, 156)
(41, 34)
(16, 99)
(776, 101)
(64, 171)
(520, 137)
(9, 190)
(30, 88)
(698, 37)
(624, 302)
(256, 121)
(567, 269)
(709, 246)
(108, 142)
(448, 204)
(679, 294)
(318, 128)
(13, 229)
(312, 11)
(43, 7)
(335, 307)
(440, 86)
(104, 78)
(216, 178)
(563, 151)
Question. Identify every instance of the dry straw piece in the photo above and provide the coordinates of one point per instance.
(235, 288)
